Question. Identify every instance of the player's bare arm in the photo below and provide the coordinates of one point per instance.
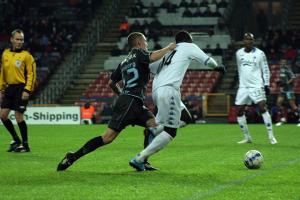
(156, 55)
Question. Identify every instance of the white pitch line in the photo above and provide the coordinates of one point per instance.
(200, 195)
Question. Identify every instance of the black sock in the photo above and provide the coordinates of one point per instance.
(10, 127)
(90, 146)
(23, 130)
(146, 139)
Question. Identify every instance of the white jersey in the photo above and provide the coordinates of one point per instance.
(253, 68)
(170, 70)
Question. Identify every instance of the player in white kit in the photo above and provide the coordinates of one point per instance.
(254, 80)
(166, 91)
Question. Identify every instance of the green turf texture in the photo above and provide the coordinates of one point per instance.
(203, 162)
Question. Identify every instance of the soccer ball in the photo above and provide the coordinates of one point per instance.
(253, 159)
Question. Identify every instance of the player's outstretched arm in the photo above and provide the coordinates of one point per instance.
(213, 64)
(156, 55)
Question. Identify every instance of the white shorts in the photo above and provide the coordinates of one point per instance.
(245, 96)
(169, 106)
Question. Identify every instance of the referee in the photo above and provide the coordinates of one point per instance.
(18, 74)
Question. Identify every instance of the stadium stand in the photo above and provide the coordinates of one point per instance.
(77, 43)
(51, 27)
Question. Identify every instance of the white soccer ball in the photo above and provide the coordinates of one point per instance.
(253, 159)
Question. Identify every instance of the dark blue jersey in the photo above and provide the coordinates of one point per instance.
(134, 72)
(286, 74)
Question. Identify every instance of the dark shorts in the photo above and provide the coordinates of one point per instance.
(288, 95)
(13, 98)
(129, 110)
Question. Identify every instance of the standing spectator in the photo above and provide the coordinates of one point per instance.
(208, 49)
(87, 113)
(218, 51)
(136, 26)
(18, 74)
(124, 27)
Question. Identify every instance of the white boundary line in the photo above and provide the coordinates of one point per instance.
(214, 190)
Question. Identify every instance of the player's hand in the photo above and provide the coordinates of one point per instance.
(25, 95)
(267, 89)
(221, 69)
(171, 46)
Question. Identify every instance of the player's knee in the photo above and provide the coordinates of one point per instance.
(262, 108)
(171, 131)
(240, 113)
(109, 136)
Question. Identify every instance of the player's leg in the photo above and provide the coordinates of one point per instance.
(267, 120)
(186, 117)
(121, 117)
(151, 132)
(242, 99)
(10, 127)
(23, 130)
(291, 99)
(242, 121)
(20, 107)
(87, 148)
(145, 118)
(158, 143)
(169, 111)
(279, 104)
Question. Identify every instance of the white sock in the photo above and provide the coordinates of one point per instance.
(182, 124)
(158, 143)
(243, 125)
(268, 123)
(157, 130)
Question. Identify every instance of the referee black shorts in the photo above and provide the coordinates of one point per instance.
(129, 110)
(13, 98)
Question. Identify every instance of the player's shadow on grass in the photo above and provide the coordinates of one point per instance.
(109, 178)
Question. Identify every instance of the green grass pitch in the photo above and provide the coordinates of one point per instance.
(203, 162)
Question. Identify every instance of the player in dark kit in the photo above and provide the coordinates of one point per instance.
(129, 108)
(286, 84)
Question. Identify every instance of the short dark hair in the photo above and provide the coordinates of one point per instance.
(132, 38)
(183, 36)
(249, 36)
(16, 31)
